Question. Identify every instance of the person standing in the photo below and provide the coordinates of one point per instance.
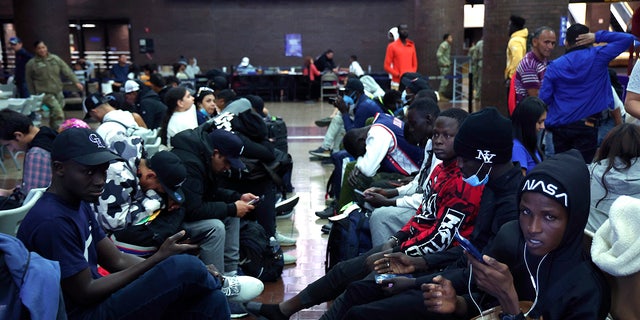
(22, 57)
(43, 74)
(517, 46)
(531, 68)
(476, 67)
(400, 57)
(577, 88)
(444, 63)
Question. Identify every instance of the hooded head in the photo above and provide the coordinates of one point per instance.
(564, 179)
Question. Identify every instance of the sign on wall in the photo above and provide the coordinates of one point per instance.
(293, 45)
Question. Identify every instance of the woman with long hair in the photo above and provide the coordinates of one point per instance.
(527, 121)
(615, 171)
(181, 114)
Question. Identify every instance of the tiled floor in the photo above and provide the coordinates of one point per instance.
(309, 180)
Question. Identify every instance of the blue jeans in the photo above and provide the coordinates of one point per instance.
(180, 287)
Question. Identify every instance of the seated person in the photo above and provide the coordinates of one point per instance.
(400, 297)
(452, 207)
(395, 206)
(18, 133)
(539, 258)
(615, 171)
(528, 121)
(61, 227)
(118, 128)
(181, 114)
(615, 251)
(355, 102)
(245, 67)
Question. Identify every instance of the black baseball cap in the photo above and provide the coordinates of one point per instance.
(354, 84)
(83, 146)
(91, 102)
(170, 172)
(229, 145)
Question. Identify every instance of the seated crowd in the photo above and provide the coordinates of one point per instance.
(141, 234)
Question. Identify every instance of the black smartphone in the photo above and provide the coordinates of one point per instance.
(200, 237)
(466, 245)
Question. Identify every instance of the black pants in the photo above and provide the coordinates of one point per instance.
(265, 211)
(578, 136)
(366, 300)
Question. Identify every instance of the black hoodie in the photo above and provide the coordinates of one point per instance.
(570, 286)
(204, 199)
(44, 139)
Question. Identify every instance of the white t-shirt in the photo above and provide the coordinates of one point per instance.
(181, 121)
(356, 69)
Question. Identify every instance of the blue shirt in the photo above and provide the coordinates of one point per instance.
(64, 233)
(365, 109)
(521, 155)
(577, 84)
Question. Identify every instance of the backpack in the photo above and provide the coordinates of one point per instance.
(258, 258)
(350, 236)
(277, 133)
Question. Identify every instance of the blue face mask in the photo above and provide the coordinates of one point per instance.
(404, 97)
(348, 100)
(474, 181)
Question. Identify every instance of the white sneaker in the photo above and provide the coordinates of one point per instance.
(242, 288)
(288, 259)
(284, 240)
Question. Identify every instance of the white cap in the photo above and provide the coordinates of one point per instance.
(244, 62)
(131, 86)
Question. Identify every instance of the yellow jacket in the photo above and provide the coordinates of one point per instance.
(516, 49)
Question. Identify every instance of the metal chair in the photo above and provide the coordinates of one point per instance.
(329, 86)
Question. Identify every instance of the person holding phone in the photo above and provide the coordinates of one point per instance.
(538, 258)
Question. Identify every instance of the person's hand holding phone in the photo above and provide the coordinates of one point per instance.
(494, 278)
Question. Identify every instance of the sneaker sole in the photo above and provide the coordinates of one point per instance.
(239, 315)
(320, 155)
(284, 215)
(287, 204)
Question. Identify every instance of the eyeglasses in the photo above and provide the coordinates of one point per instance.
(204, 91)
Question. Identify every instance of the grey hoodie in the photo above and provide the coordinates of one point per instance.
(618, 182)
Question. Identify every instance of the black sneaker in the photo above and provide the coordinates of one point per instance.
(327, 228)
(330, 211)
(284, 214)
(321, 153)
(324, 122)
(288, 204)
(237, 310)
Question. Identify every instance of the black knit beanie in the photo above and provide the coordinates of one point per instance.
(485, 135)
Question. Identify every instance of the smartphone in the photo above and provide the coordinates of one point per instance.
(255, 201)
(385, 276)
(466, 245)
(360, 192)
(200, 237)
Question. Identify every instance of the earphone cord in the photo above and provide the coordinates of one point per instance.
(533, 283)
(470, 295)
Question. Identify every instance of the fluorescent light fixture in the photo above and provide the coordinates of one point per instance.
(88, 25)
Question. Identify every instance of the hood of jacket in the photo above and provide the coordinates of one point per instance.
(44, 139)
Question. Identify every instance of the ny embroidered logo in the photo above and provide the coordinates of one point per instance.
(94, 138)
(485, 156)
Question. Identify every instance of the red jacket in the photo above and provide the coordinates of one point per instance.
(400, 58)
(449, 205)
(313, 74)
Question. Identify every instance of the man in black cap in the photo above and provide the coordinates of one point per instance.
(141, 205)
(206, 155)
(22, 57)
(364, 108)
(62, 227)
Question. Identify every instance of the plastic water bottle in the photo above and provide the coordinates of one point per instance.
(275, 247)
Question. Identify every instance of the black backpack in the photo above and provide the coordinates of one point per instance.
(349, 237)
(277, 133)
(257, 257)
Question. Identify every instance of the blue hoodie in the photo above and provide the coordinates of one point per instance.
(577, 84)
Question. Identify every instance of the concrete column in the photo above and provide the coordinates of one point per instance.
(495, 35)
(43, 20)
(432, 19)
